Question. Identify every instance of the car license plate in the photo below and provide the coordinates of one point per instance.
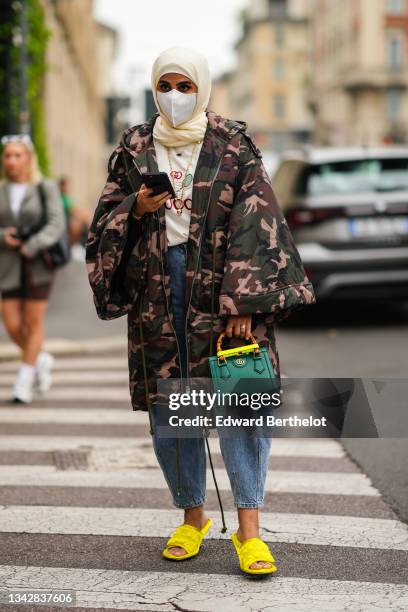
(379, 226)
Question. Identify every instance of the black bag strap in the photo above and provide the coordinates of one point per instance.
(43, 198)
(43, 201)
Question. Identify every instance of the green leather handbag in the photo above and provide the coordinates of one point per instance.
(243, 369)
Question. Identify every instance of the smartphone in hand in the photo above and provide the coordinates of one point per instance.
(159, 182)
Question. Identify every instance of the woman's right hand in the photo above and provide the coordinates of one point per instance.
(9, 238)
(149, 203)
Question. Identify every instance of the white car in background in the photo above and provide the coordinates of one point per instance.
(348, 212)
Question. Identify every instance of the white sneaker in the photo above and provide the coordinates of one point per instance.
(43, 367)
(23, 390)
(78, 253)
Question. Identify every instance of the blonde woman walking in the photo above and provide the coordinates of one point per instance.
(25, 280)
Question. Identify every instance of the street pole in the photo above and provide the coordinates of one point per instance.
(25, 126)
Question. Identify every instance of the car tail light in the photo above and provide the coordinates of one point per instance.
(307, 216)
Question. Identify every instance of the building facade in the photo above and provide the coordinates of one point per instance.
(269, 86)
(74, 97)
(359, 92)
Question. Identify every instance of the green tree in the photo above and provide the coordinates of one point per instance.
(10, 66)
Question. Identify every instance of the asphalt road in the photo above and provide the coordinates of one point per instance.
(344, 339)
(84, 507)
(361, 340)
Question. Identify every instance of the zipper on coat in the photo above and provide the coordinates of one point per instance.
(178, 475)
(142, 344)
(212, 293)
(224, 527)
(199, 255)
(165, 294)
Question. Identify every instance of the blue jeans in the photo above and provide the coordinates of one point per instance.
(245, 458)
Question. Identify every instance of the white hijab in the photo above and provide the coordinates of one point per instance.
(194, 66)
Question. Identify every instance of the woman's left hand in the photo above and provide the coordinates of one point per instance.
(239, 326)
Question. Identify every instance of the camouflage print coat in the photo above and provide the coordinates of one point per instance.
(241, 258)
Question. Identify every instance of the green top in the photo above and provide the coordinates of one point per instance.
(67, 202)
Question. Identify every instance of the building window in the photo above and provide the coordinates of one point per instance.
(395, 7)
(279, 105)
(393, 99)
(394, 51)
(279, 34)
(278, 68)
(277, 9)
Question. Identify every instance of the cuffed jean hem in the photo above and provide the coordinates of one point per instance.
(190, 505)
(238, 504)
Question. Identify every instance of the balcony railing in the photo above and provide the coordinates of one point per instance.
(381, 77)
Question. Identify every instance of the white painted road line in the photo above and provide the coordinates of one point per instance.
(81, 394)
(207, 592)
(95, 377)
(52, 443)
(279, 480)
(75, 363)
(280, 446)
(101, 416)
(345, 531)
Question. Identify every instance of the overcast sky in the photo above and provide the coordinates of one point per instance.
(147, 27)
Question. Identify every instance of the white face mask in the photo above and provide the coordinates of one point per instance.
(177, 106)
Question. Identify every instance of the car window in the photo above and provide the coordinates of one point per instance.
(356, 176)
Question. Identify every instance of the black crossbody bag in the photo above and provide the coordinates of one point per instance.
(59, 253)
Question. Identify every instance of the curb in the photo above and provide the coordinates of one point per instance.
(63, 346)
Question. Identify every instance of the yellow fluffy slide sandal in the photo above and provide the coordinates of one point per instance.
(252, 550)
(188, 537)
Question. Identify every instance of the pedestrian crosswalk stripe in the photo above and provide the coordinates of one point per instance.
(83, 430)
(289, 481)
(318, 506)
(118, 416)
(74, 415)
(64, 377)
(81, 394)
(345, 531)
(76, 364)
(370, 506)
(50, 443)
(280, 446)
(142, 590)
(130, 457)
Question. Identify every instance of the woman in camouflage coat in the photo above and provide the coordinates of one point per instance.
(241, 261)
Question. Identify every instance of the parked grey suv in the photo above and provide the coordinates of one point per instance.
(348, 211)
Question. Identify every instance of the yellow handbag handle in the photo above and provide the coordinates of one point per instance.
(238, 350)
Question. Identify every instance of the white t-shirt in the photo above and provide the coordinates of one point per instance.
(177, 225)
(17, 192)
